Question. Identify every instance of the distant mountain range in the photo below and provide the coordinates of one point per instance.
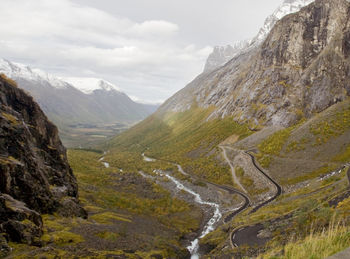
(222, 54)
(77, 102)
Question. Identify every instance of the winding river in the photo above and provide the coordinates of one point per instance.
(210, 225)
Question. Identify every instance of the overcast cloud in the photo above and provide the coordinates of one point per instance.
(148, 48)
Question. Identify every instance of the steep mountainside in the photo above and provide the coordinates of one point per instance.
(34, 173)
(246, 161)
(273, 123)
(300, 69)
(70, 106)
(221, 55)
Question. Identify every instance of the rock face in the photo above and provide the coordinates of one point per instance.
(302, 68)
(221, 55)
(35, 176)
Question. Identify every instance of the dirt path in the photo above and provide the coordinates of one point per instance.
(234, 176)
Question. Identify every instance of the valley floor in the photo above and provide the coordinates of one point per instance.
(143, 197)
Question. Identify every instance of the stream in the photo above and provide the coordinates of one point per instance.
(210, 225)
(106, 164)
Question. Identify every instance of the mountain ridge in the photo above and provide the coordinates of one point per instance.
(264, 85)
(220, 55)
(70, 107)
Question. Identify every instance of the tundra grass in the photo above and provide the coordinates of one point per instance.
(186, 138)
(315, 246)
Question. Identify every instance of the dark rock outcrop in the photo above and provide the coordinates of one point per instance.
(35, 176)
(301, 68)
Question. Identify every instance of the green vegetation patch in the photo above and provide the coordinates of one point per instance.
(343, 157)
(333, 127)
(62, 237)
(310, 175)
(109, 217)
(185, 137)
(12, 119)
(264, 160)
(317, 245)
(274, 144)
(110, 236)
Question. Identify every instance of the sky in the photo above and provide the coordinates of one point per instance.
(148, 48)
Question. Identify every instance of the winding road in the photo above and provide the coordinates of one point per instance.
(278, 187)
(231, 190)
(242, 232)
(249, 233)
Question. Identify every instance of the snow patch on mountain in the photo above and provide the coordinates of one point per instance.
(86, 85)
(89, 84)
(20, 71)
(287, 7)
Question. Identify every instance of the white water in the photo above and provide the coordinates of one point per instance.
(181, 170)
(330, 174)
(209, 227)
(147, 159)
(104, 163)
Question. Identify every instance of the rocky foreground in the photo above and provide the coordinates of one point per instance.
(35, 176)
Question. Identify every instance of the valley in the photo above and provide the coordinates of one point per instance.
(87, 111)
(91, 135)
(249, 160)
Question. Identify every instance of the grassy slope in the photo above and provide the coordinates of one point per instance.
(309, 149)
(186, 138)
(310, 213)
(128, 216)
(191, 141)
(121, 205)
(324, 142)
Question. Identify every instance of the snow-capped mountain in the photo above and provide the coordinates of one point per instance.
(221, 55)
(69, 102)
(17, 70)
(300, 69)
(89, 84)
(287, 7)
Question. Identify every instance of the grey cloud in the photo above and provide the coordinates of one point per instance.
(150, 49)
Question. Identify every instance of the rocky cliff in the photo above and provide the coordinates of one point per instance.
(35, 176)
(301, 68)
(221, 55)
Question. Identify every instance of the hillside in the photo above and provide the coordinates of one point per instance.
(81, 116)
(286, 101)
(297, 71)
(222, 54)
(35, 175)
(250, 160)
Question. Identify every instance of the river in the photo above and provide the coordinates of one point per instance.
(210, 225)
